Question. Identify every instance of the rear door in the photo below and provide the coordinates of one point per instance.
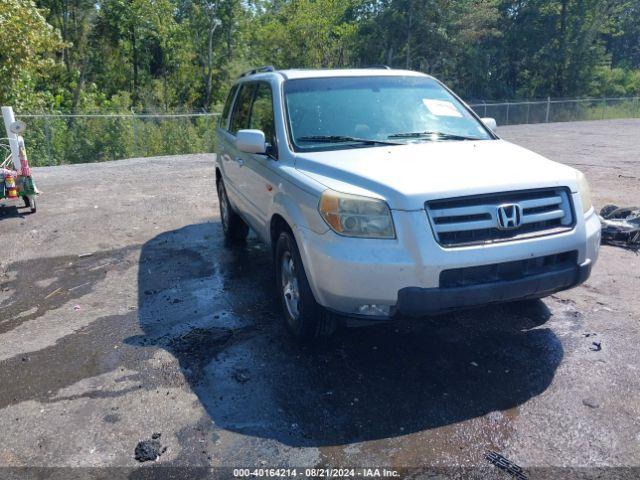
(224, 137)
(233, 161)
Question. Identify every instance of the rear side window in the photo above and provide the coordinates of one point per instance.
(242, 108)
(224, 118)
(262, 113)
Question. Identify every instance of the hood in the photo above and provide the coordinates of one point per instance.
(408, 175)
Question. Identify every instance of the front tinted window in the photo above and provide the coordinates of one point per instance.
(242, 108)
(227, 106)
(377, 108)
(262, 113)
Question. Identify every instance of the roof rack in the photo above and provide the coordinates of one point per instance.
(382, 67)
(266, 68)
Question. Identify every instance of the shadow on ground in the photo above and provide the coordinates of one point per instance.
(12, 211)
(214, 308)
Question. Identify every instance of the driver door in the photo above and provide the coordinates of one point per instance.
(260, 179)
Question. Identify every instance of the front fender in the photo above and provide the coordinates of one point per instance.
(300, 211)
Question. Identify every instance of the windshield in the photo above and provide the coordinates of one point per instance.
(347, 112)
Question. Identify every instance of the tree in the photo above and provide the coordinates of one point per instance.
(146, 38)
(308, 33)
(28, 45)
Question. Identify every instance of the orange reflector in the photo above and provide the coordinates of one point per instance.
(329, 209)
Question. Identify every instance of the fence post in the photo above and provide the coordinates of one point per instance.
(507, 112)
(548, 108)
(528, 108)
(209, 133)
(47, 139)
(135, 133)
(637, 106)
(485, 108)
(604, 107)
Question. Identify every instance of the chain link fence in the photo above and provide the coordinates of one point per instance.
(61, 139)
(568, 110)
(54, 139)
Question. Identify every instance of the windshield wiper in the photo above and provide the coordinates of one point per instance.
(439, 135)
(344, 139)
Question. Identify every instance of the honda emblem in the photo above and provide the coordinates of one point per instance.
(509, 216)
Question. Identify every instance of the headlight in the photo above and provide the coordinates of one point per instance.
(585, 192)
(356, 216)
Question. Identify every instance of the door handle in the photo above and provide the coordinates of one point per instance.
(240, 161)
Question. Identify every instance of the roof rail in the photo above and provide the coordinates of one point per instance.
(266, 68)
(382, 67)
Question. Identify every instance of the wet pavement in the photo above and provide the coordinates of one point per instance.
(123, 315)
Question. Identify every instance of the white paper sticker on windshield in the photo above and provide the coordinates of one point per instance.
(441, 108)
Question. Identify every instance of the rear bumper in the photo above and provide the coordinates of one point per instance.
(416, 301)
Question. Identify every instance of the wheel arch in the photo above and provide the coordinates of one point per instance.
(280, 222)
(277, 225)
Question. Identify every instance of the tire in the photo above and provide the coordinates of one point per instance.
(608, 210)
(304, 317)
(234, 228)
(30, 202)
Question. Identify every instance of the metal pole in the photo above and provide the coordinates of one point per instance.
(47, 138)
(528, 108)
(485, 108)
(604, 107)
(7, 116)
(507, 123)
(548, 108)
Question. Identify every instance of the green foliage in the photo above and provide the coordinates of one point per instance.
(181, 55)
(309, 33)
(53, 140)
(27, 45)
(617, 81)
(121, 56)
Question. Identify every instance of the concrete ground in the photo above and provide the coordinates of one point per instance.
(123, 314)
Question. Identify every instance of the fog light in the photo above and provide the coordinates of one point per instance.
(374, 310)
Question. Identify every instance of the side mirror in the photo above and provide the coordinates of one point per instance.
(251, 141)
(490, 123)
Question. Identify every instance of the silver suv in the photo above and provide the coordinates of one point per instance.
(381, 193)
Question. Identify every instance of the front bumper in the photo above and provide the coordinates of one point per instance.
(404, 274)
(415, 301)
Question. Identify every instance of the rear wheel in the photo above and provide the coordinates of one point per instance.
(30, 202)
(304, 317)
(234, 228)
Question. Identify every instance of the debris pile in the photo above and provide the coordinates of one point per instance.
(621, 226)
(505, 465)
(149, 450)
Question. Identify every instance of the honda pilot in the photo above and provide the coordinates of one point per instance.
(382, 194)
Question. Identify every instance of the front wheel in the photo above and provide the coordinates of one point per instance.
(234, 228)
(304, 317)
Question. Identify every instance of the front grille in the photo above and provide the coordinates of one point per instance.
(474, 220)
(467, 276)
